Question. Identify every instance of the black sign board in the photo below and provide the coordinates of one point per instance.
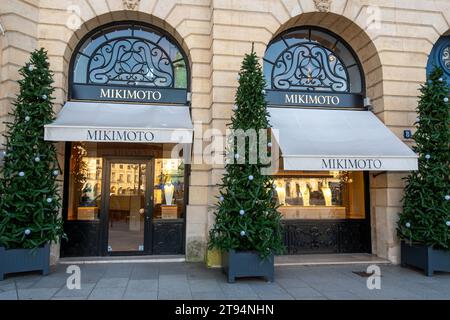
(129, 94)
(314, 99)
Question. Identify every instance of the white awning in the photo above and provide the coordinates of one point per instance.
(108, 122)
(323, 140)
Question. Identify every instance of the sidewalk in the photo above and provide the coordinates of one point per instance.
(196, 281)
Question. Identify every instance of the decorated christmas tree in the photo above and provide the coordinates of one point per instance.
(30, 200)
(246, 214)
(426, 204)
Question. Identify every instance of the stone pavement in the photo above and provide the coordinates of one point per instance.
(196, 281)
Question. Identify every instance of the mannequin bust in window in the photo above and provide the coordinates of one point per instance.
(304, 192)
(281, 192)
(168, 192)
(326, 191)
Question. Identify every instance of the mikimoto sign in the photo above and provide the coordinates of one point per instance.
(321, 163)
(119, 135)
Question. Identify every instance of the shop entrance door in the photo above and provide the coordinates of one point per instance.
(128, 204)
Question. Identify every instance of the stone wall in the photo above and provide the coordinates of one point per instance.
(391, 38)
(20, 20)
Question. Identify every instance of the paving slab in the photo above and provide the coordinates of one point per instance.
(195, 281)
(68, 298)
(50, 282)
(174, 294)
(204, 285)
(143, 285)
(213, 295)
(112, 282)
(107, 293)
(9, 295)
(303, 293)
(36, 293)
(340, 295)
(7, 286)
(84, 291)
(140, 295)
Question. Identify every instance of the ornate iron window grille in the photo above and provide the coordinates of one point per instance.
(129, 54)
(445, 58)
(311, 67)
(440, 57)
(311, 58)
(130, 61)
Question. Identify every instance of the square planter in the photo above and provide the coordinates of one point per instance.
(247, 264)
(23, 260)
(425, 258)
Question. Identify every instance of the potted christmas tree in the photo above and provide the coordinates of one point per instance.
(30, 202)
(247, 228)
(424, 225)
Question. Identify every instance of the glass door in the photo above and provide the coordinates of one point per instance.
(128, 206)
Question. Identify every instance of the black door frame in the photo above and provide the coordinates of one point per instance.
(87, 238)
(104, 215)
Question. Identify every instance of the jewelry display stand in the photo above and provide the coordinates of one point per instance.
(304, 192)
(314, 184)
(293, 189)
(327, 194)
(281, 192)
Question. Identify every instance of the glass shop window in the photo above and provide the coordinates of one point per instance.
(320, 195)
(86, 178)
(168, 189)
(85, 183)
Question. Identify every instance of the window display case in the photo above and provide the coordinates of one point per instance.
(168, 189)
(320, 195)
(85, 183)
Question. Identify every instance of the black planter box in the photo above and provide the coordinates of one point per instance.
(247, 264)
(425, 258)
(22, 260)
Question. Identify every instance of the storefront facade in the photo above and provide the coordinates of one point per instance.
(125, 190)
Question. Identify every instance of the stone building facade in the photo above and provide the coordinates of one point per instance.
(392, 40)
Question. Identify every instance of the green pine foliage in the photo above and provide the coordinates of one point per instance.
(246, 214)
(426, 205)
(30, 201)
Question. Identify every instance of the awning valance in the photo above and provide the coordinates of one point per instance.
(108, 122)
(323, 140)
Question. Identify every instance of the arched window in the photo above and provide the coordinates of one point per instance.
(313, 60)
(440, 56)
(129, 54)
